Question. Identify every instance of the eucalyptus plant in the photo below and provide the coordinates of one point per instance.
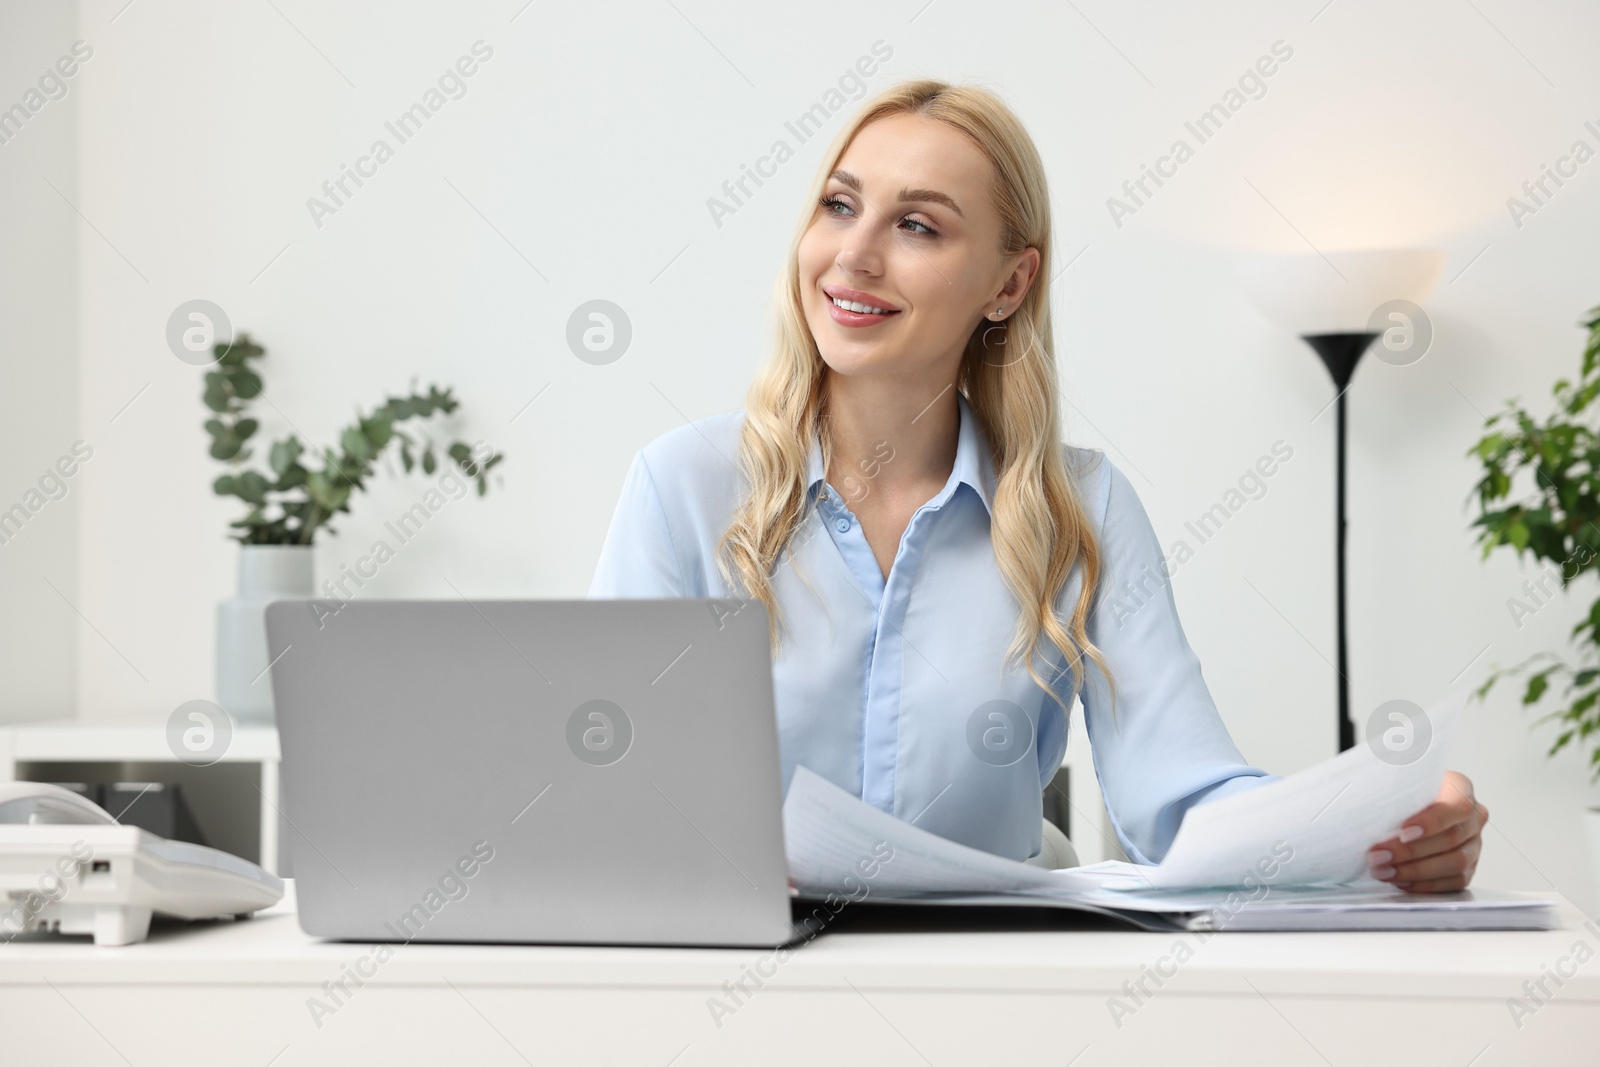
(1557, 523)
(301, 491)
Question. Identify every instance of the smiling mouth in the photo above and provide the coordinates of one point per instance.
(858, 308)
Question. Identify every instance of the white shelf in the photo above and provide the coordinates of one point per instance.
(65, 740)
(89, 741)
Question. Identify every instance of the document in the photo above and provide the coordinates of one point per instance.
(1315, 827)
(835, 842)
(1291, 853)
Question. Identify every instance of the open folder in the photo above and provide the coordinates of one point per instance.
(1286, 855)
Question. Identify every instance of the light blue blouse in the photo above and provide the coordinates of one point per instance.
(896, 689)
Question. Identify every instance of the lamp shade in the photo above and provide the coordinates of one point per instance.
(1337, 293)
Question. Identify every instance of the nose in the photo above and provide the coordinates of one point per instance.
(857, 256)
(859, 251)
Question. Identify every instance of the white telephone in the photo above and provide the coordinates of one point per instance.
(67, 865)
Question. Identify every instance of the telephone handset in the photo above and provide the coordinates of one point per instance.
(36, 803)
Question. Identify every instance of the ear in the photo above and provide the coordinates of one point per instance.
(1021, 278)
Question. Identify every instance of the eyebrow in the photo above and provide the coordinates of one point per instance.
(926, 196)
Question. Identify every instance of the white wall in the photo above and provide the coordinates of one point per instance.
(39, 368)
(578, 166)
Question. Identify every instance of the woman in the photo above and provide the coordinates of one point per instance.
(930, 555)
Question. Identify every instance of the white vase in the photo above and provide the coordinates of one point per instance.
(266, 573)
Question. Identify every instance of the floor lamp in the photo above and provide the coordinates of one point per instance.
(1339, 304)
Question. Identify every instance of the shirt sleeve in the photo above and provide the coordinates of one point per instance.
(639, 558)
(1164, 748)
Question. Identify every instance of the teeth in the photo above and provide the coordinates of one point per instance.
(860, 309)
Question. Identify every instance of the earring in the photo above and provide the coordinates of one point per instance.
(999, 312)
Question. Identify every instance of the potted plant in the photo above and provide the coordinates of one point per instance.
(295, 498)
(1557, 523)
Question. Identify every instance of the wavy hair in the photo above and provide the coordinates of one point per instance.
(1039, 528)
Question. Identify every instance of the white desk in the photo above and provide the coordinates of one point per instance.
(236, 993)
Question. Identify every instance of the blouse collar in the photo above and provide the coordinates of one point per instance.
(974, 466)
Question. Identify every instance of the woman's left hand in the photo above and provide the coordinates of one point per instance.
(1437, 849)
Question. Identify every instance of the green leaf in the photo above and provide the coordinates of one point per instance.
(292, 478)
(317, 487)
(217, 395)
(284, 453)
(246, 385)
(252, 487)
(354, 443)
(378, 430)
(245, 427)
(223, 486)
(243, 347)
(225, 447)
(442, 400)
(429, 464)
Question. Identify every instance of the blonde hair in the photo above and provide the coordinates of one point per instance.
(1039, 528)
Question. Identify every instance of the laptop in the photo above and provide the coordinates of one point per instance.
(585, 771)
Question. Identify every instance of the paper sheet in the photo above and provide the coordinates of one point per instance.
(1324, 818)
(835, 843)
(1311, 828)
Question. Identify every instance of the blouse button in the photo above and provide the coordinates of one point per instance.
(843, 525)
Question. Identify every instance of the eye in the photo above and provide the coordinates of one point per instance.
(831, 202)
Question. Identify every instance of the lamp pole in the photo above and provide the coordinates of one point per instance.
(1340, 353)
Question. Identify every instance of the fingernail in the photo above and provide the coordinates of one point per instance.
(1383, 874)
(1378, 856)
(1410, 833)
